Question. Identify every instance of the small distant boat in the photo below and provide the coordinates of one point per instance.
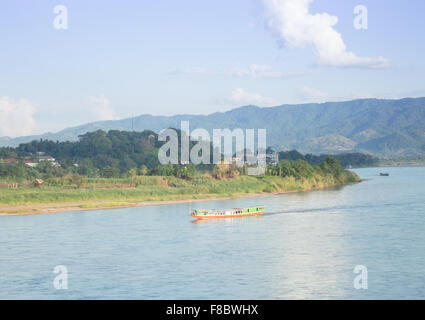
(227, 213)
(384, 174)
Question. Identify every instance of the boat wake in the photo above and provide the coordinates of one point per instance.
(333, 209)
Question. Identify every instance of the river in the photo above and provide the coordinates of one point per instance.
(306, 246)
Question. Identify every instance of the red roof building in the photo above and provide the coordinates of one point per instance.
(11, 161)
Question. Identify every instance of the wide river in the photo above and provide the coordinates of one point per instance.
(306, 246)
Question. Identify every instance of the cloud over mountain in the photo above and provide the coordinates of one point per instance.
(100, 106)
(240, 96)
(16, 117)
(293, 23)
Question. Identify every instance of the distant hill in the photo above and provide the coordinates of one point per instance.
(390, 128)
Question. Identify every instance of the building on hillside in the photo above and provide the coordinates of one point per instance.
(238, 161)
(272, 158)
(9, 161)
(31, 163)
(48, 158)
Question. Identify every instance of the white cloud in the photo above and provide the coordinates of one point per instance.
(16, 117)
(188, 71)
(357, 95)
(308, 93)
(252, 71)
(259, 71)
(292, 22)
(101, 108)
(241, 97)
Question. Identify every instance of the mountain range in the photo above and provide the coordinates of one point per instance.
(384, 128)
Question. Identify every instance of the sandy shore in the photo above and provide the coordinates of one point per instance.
(30, 209)
(100, 205)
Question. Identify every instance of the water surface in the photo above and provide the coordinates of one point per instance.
(305, 247)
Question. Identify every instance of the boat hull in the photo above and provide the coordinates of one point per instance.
(228, 214)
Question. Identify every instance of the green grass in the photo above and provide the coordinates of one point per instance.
(104, 204)
(118, 192)
(402, 162)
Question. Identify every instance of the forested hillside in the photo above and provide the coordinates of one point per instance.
(385, 128)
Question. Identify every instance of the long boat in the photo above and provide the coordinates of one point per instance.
(226, 213)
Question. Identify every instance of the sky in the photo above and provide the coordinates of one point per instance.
(105, 60)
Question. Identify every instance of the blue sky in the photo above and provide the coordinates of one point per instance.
(119, 58)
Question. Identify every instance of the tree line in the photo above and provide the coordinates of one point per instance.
(116, 154)
(355, 159)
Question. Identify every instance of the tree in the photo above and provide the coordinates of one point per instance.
(188, 171)
(143, 170)
(332, 166)
(110, 172)
(132, 173)
(86, 168)
(77, 180)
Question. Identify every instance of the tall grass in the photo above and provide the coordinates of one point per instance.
(154, 188)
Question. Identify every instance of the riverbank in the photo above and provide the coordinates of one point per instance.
(401, 163)
(82, 206)
(155, 191)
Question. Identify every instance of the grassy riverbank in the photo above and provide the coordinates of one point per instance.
(108, 193)
(401, 163)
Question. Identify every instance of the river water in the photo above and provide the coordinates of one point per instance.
(306, 246)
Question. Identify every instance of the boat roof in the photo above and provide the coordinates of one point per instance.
(233, 208)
